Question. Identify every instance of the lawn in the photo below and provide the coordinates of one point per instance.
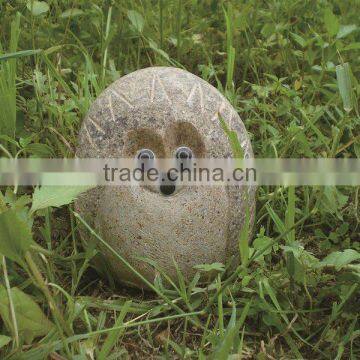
(290, 70)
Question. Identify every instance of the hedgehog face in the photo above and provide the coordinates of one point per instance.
(179, 141)
(163, 113)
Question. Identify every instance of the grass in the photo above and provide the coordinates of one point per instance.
(290, 69)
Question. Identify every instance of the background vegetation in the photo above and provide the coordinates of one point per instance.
(295, 293)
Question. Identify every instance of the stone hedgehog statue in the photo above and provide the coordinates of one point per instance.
(164, 112)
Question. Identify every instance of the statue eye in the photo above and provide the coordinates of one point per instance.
(145, 154)
(184, 153)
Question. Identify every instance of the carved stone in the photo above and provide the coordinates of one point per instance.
(161, 108)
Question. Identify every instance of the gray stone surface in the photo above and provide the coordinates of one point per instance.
(162, 108)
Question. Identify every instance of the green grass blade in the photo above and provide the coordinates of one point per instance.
(114, 335)
(8, 84)
(19, 54)
(290, 214)
(244, 240)
(343, 75)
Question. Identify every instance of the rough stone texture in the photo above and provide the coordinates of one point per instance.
(162, 108)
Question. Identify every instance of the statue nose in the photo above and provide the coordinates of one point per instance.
(167, 183)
